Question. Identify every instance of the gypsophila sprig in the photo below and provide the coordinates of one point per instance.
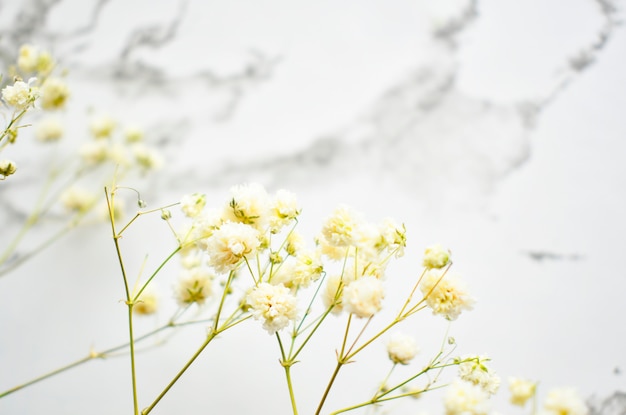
(243, 263)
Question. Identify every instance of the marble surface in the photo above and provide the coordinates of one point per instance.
(494, 127)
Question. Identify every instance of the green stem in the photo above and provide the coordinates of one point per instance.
(132, 358)
(210, 337)
(287, 363)
(329, 386)
(46, 376)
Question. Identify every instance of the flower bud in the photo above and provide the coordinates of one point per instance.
(7, 168)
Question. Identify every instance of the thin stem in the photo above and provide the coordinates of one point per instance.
(129, 302)
(341, 360)
(286, 364)
(132, 358)
(329, 386)
(210, 337)
(46, 376)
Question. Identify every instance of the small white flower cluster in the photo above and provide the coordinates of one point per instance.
(521, 390)
(401, 348)
(564, 401)
(474, 369)
(465, 398)
(241, 232)
(366, 249)
(445, 293)
(128, 151)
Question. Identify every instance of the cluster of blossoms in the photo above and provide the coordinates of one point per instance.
(129, 151)
(474, 369)
(365, 249)
(444, 291)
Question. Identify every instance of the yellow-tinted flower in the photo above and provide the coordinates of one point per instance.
(49, 130)
(274, 304)
(54, 94)
(521, 390)
(401, 348)
(7, 168)
(445, 294)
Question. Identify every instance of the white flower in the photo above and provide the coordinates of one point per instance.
(193, 204)
(339, 228)
(230, 244)
(147, 158)
(207, 222)
(295, 242)
(445, 294)
(77, 200)
(148, 301)
(27, 58)
(464, 398)
(565, 401)
(308, 268)
(393, 236)
(401, 348)
(20, 95)
(363, 297)
(54, 94)
(94, 152)
(250, 204)
(194, 286)
(474, 369)
(274, 304)
(31, 59)
(101, 126)
(521, 390)
(436, 256)
(7, 168)
(284, 209)
(133, 134)
(49, 130)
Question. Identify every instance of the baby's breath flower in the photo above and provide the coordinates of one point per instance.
(94, 152)
(331, 296)
(77, 200)
(102, 126)
(207, 222)
(334, 253)
(45, 63)
(401, 348)
(193, 204)
(521, 390)
(7, 168)
(339, 228)
(564, 401)
(363, 297)
(146, 158)
(284, 209)
(250, 204)
(295, 242)
(49, 130)
(54, 94)
(116, 152)
(308, 268)
(436, 256)
(230, 244)
(27, 58)
(148, 301)
(274, 304)
(474, 369)
(393, 236)
(464, 398)
(20, 95)
(133, 134)
(194, 286)
(445, 294)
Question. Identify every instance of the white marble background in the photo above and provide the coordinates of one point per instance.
(494, 127)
